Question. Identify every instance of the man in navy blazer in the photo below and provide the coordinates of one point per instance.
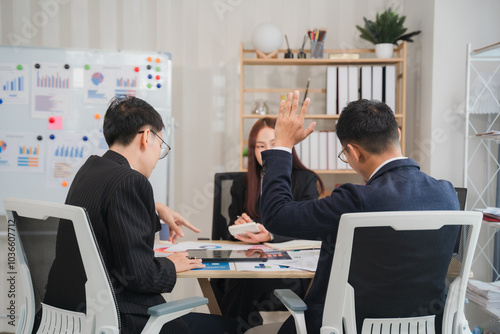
(369, 134)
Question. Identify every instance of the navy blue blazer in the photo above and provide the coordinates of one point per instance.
(379, 275)
(304, 188)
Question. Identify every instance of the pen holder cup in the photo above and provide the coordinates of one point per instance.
(164, 233)
(317, 49)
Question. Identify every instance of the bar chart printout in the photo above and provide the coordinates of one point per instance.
(13, 88)
(51, 86)
(21, 152)
(102, 82)
(65, 155)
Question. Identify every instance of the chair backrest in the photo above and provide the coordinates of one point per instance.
(339, 309)
(222, 200)
(34, 226)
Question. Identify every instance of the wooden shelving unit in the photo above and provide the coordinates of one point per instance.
(248, 59)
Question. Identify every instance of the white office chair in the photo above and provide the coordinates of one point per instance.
(33, 225)
(339, 311)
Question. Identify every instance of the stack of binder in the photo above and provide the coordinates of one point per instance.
(350, 83)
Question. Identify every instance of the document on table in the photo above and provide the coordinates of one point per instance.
(300, 260)
(183, 246)
(294, 244)
(263, 266)
(217, 266)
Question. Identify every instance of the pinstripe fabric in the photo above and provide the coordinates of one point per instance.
(121, 207)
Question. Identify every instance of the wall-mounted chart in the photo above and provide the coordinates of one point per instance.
(52, 105)
(51, 86)
(13, 89)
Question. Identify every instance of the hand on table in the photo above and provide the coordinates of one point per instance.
(174, 220)
(183, 263)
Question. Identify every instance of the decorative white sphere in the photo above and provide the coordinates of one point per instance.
(267, 37)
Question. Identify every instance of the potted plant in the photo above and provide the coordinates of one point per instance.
(385, 32)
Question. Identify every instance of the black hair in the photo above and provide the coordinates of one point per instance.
(368, 123)
(125, 116)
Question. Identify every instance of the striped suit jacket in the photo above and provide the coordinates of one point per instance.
(121, 207)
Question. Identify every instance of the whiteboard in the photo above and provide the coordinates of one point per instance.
(52, 104)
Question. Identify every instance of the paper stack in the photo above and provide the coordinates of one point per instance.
(294, 245)
(491, 214)
(485, 294)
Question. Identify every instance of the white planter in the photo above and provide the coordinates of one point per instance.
(384, 50)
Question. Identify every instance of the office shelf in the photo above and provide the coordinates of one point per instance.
(249, 62)
(481, 164)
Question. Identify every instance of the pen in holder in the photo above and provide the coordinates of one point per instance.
(317, 38)
(317, 49)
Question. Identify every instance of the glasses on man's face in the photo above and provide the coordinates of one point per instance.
(163, 146)
(342, 156)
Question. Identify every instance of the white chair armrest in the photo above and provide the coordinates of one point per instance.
(163, 313)
(290, 300)
(296, 306)
(177, 305)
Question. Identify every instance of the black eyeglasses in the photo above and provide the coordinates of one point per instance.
(163, 146)
(342, 156)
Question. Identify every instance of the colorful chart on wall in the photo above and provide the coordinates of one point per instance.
(21, 153)
(13, 89)
(53, 98)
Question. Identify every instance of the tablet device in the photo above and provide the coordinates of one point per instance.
(222, 255)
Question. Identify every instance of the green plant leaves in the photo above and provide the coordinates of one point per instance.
(387, 28)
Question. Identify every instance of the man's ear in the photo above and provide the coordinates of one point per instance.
(144, 139)
(356, 153)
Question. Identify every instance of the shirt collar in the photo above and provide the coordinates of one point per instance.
(385, 163)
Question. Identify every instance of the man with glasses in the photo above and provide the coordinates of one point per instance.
(369, 134)
(118, 197)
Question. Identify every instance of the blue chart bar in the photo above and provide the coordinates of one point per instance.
(126, 82)
(15, 85)
(69, 152)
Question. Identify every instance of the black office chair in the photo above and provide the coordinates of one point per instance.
(222, 200)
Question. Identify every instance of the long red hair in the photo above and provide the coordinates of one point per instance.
(254, 174)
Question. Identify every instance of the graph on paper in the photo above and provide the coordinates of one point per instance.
(21, 152)
(15, 85)
(52, 81)
(67, 151)
(102, 82)
(50, 84)
(13, 88)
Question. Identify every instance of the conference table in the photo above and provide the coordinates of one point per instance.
(204, 276)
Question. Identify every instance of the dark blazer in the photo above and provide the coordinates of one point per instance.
(121, 208)
(380, 276)
(304, 187)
